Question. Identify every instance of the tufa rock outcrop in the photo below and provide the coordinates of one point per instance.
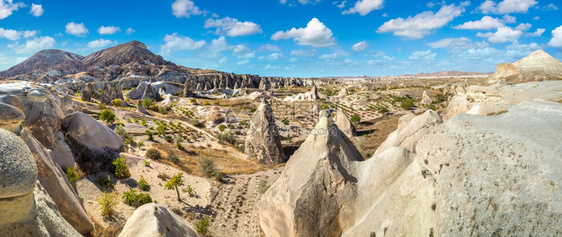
(10, 117)
(155, 220)
(343, 123)
(537, 66)
(262, 142)
(89, 132)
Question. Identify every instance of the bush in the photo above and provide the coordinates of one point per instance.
(140, 144)
(226, 138)
(197, 123)
(120, 130)
(108, 202)
(153, 153)
(355, 119)
(202, 226)
(143, 185)
(146, 163)
(439, 98)
(121, 168)
(206, 165)
(107, 115)
(285, 121)
(149, 134)
(132, 198)
(72, 176)
(218, 175)
(190, 190)
(147, 102)
(263, 186)
(222, 127)
(407, 104)
(206, 103)
(161, 129)
(174, 158)
(117, 102)
(101, 106)
(193, 101)
(105, 182)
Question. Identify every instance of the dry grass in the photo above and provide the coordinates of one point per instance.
(379, 131)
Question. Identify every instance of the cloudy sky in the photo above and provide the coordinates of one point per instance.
(292, 37)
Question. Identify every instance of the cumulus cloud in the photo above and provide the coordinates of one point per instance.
(329, 56)
(556, 40)
(36, 10)
(272, 57)
(76, 29)
(232, 27)
(108, 30)
(303, 53)
(506, 6)
(10, 34)
(456, 45)
(269, 47)
(502, 35)
(34, 45)
(523, 27)
(7, 7)
(509, 19)
(315, 34)
(243, 52)
(537, 33)
(361, 46)
(175, 42)
(30, 33)
(486, 23)
(101, 43)
(185, 8)
(130, 31)
(423, 55)
(364, 7)
(420, 25)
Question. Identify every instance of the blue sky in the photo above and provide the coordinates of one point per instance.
(292, 37)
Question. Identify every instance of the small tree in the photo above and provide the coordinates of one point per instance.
(107, 116)
(206, 165)
(117, 102)
(174, 182)
(108, 202)
(72, 176)
(147, 102)
(121, 168)
(355, 119)
(202, 226)
(222, 127)
(143, 185)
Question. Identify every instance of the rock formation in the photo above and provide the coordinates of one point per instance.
(10, 117)
(425, 100)
(141, 108)
(343, 123)
(262, 142)
(88, 131)
(537, 66)
(155, 220)
(13, 101)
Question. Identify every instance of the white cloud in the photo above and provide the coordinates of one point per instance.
(340, 5)
(232, 27)
(523, 27)
(364, 7)
(361, 46)
(10, 34)
(457, 44)
(30, 33)
(175, 42)
(550, 7)
(509, 19)
(502, 35)
(303, 53)
(536, 18)
(130, 31)
(185, 8)
(269, 47)
(101, 43)
(76, 29)
(329, 56)
(485, 23)
(507, 6)
(243, 62)
(34, 45)
(108, 30)
(222, 60)
(243, 52)
(422, 24)
(537, 33)
(423, 55)
(272, 57)
(556, 40)
(315, 34)
(7, 7)
(36, 10)
(380, 60)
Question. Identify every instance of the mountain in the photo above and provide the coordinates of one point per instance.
(132, 52)
(537, 66)
(451, 74)
(51, 61)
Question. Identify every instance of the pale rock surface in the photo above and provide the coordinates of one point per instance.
(61, 152)
(10, 117)
(425, 100)
(537, 66)
(90, 132)
(312, 95)
(262, 141)
(410, 130)
(13, 101)
(343, 123)
(155, 220)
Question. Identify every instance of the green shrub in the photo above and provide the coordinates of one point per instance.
(222, 127)
(202, 226)
(205, 165)
(101, 106)
(147, 102)
(174, 158)
(190, 191)
(108, 202)
(105, 182)
(132, 198)
(206, 103)
(226, 137)
(107, 115)
(218, 175)
(161, 129)
(121, 168)
(355, 119)
(174, 182)
(285, 121)
(197, 123)
(140, 144)
(263, 186)
(117, 102)
(72, 176)
(407, 104)
(193, 101)
(143, 185)
(146, 163)
(439, 98)
(149, 134)
(153, 153)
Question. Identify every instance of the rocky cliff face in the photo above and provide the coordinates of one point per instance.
(537, 66)
(51, 62)
(262, 142)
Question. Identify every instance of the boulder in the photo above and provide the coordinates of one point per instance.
(18, 170)
(56, 184)
(89, 132)
(43, 119)
(425, 100)
(537, 66)
(343, 92)
(314, 194)
(155, 220)
(343, 123)
(13, 101)
(62, 155)
(10, 117)
(88, 92)
(262, 142)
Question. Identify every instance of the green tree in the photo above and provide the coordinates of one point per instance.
(117, 102)
(202, 226)
(108, 202)
(174, 182)
(107, 116)
(222, 127)
(147, 102)
(143, 185)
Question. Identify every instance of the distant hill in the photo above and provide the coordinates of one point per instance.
(52, 61)
(451, 74)
(537, 66)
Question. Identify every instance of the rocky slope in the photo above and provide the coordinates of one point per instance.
(50, 62)
(537, 66)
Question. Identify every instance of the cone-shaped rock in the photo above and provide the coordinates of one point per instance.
(155, 220)
(343, 123)
(263, 141)
(537, 66)
(314, 194)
